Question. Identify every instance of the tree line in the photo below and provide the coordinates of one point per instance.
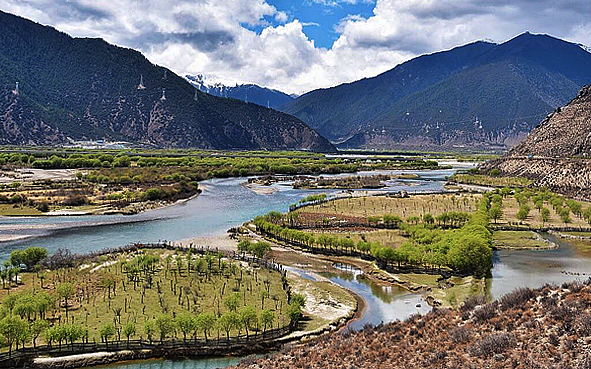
(466, 250)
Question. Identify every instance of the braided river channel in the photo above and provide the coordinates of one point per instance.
(226, 203)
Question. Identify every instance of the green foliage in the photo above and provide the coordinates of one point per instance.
(314, 199)
(129, 330)
(523, 213)
(258, 249)
(165, 326)
(545, 213)
(185, 323)
(294, 311)
(298, 299)
(248, 318)
(228, 321)
(106, 331)
(495, 213)
(231, 302)
(205, 323)
(150, 329)
(267, 318)
(14, 330)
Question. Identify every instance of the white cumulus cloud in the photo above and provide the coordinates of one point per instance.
(215, 37)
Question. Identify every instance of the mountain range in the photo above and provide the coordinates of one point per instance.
(246, 92)
(84, 88)
(480, 94)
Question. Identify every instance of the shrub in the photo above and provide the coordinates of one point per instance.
(485, 313)
(472, 302)
(460, 334)
(517, 297)
(584, 325)
(492, 344)
(43, 207)
(75, 200)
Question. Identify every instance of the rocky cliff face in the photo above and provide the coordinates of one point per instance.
(87, 89)
(557, 153)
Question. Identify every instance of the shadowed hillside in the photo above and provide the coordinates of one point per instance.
(480, 94)
(89, 89)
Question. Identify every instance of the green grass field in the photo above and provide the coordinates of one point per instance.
(105, 291)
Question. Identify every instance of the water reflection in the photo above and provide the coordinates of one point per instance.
(512, 269)
(383, 303)
(207, 363)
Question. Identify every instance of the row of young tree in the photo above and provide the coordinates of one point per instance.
(29, 314)
(452, 219)
(562, 207)
(465, 250)
(17, 330)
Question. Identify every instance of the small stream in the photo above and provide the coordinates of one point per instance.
(383, 303)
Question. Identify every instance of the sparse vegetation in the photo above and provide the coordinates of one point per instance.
(510, 335)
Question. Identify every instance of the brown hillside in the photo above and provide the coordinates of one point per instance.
(557, 153)
(545, 328)
(564, 133)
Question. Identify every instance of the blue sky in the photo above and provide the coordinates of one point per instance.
(321, 17)
(300, 45)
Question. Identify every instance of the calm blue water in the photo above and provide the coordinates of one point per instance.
(223, 204)
(384, 303)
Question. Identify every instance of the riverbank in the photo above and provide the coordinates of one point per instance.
(437, 290)
(527, 328)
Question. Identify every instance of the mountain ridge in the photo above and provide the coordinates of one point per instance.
(260, 95)
(85, 88)
(429, 100)
(556, 153)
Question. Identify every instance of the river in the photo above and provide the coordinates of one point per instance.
(225, 203)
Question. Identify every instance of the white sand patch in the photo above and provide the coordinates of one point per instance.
(325, 307)
(221, 242)
(53, 360)
(67, 212)
(103, 265)
(260, 189)
(12, 237)
(30, 174)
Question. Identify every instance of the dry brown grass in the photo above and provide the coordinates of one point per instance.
(415, 205)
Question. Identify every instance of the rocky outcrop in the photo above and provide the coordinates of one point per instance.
(563, 134)
(557, 153)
